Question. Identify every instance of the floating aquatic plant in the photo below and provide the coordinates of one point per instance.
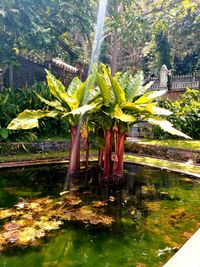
(31, 220)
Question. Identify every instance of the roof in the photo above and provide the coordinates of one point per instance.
(62, 65)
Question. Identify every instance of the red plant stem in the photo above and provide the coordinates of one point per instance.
(119, 152)
(100, 158)
(107, 153)
(121, 155)
(74, 158)
(87, 152)
(115, 159)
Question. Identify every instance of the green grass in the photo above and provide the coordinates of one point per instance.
(37, 156)
(188, 144)
(177, 166)
(33, 156)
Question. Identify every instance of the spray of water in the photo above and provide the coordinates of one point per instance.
(94, 59)
(98, 33)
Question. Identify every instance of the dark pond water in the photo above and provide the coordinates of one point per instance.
(156, 212)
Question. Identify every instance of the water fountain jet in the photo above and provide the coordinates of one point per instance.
(75, 150)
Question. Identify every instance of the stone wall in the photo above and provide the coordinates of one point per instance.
(179, 83)
(35, 147)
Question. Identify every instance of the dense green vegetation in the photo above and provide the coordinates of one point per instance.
(134, 32)
(12, 102)
(185, 114)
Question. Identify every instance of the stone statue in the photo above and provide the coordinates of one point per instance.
(164, 72)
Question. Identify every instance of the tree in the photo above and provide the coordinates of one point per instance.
(138, 23)
(57, 28)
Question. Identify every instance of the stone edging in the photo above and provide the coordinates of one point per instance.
(188, 255)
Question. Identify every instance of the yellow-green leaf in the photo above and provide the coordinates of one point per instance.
(146, 98)
(55, 104)
(80, 95)
(57, 89)
(28, 119)
(155, 110)
(82, 110)
(104, 89)
(132, 107)
(167, 127)
(136, 86)
(120, 115)
(76, 82)
(118, 90)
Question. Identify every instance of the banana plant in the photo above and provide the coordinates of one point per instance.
(68, 102)
(127, 101)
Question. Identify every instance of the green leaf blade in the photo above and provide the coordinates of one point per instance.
(120, 115)
(148, 97)
(167, 127)
(57, 89)
(28, 119)
(104, 89)
(118, 90)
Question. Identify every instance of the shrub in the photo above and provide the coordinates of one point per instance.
(12, 102)
(186, 114)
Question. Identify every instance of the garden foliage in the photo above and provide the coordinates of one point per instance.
(106, 104)
(12, 102)
(185, 114)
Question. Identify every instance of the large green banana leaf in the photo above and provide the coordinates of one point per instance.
(155, 110)
(81, 93)
(57, 89)
(54, 104)
(104, 89)
(75, 83)
(134, 86)
(118, 90)
(120, 115)
(83, 109)
(167, 127)
(28, 119)
(147, 97)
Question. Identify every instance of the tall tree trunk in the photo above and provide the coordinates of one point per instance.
(107, 153)
(74, 158)
(116, 44)
(1, 80)
(115, 53)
